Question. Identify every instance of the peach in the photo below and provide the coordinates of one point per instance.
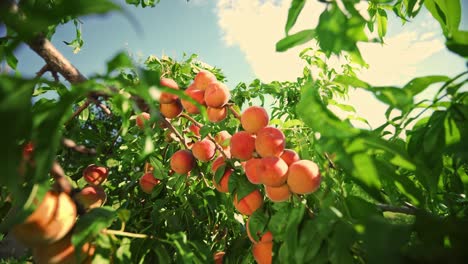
(141, 119)
(218, 162)
(289, 156)
(304, 177)
(62, 251)
(216, 115)
(263, 252)
(92, 196)
(167, 98)
(254, 118)
(95, 175)
(223, 184)
(249, 203)
(272, 171)
(148, 182)
(223, 139)
(278, 194)
(242, 145)
(28, 149)
(171, 110)
(197, 95)
(270, 141)
(204, 150)
(264, 237)
(53, 218)
(203, 79)
(195, 129)
(250, 168)
(217, 95)
(182, 161)
(218, 257)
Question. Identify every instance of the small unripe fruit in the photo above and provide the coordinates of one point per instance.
(148, 182)
(92, 196)
(242, 145)
(304, 177)
(278, 194)
(182, 161)
(167, 98)
(141, 119)
(217, 95)
(263, 252)
(270, 142)
(204, 150)
(289, 156)
(250, 203)
(216, 115)
(254, 118)
(272, 171)
(251, 168)
(203, 79)
(171, 110)
(95, 175)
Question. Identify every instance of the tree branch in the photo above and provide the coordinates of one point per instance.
(78, 148)
(403, 210)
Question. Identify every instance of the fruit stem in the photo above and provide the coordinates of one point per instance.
(233, 111)
(174, 130)
(191, 119)
(123, 233)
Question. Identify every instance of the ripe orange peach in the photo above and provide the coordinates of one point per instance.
(28, 149)
(95, 175)
(141, 119)
(218, 257)
(204, 150)
(264, 236)
(216, 115)
(223, 186)
(182, 161)
(242, 145)
(304, 177)
(217, 95)
(278, 194)
(263, 252)
(250, 168)
(62, 251)
(272, 171)
(203, 79)
(171, 110)
(197, 95)
(167, 98)
(249, 203)
(289, 156)
(270, 142)
(218, 162)
(223, 139)
(148, 182)
(254, 118)
(92, 196)
(53, 218)
(195, 129)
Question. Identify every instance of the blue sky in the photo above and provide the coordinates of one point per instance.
(239, 37)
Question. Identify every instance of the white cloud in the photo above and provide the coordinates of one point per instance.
(256, 25)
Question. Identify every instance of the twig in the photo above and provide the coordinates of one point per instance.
(78, 148)
(61, 181)
(109, 150)
(191, 119)
(233, 111)
(404, 210)
(78, 111)
(217, 146)
(43, 70)
(330, 161)
(123, 233)
(174, 130)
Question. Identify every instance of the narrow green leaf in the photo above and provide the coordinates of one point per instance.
(417, 85)
(293, 13)
(296, 39)
(381, 22)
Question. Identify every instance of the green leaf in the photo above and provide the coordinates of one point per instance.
(394, 97)
(121, 60)
(293, 13)
(417, 85)
(91, 224)
(381, 22)
(295, 39)
(458, 42)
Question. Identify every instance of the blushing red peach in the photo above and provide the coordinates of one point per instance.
(203, 79)
(304, 177)
(250, 168)
(272, 171)
(171, 110)
(216, 115)
(223, 184)
(242, 145)
(218, 162)
(250, 203)
(278, 194)
(289, 156)
(217, 95)
(62, 251)
(270, 142)
(148, 182)
(195, 94)
(167, 98)
(204, 150)
(218, 257)
(254, 118)
(92, 196)
(182, 161)
(95, 175)
(223, 139)
(53, 218)
(263, 252)
(28, 149)
(195, 129)
(141, 119)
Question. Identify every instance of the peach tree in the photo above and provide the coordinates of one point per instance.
(160, 162)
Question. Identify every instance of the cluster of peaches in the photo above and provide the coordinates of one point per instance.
(48, 230)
